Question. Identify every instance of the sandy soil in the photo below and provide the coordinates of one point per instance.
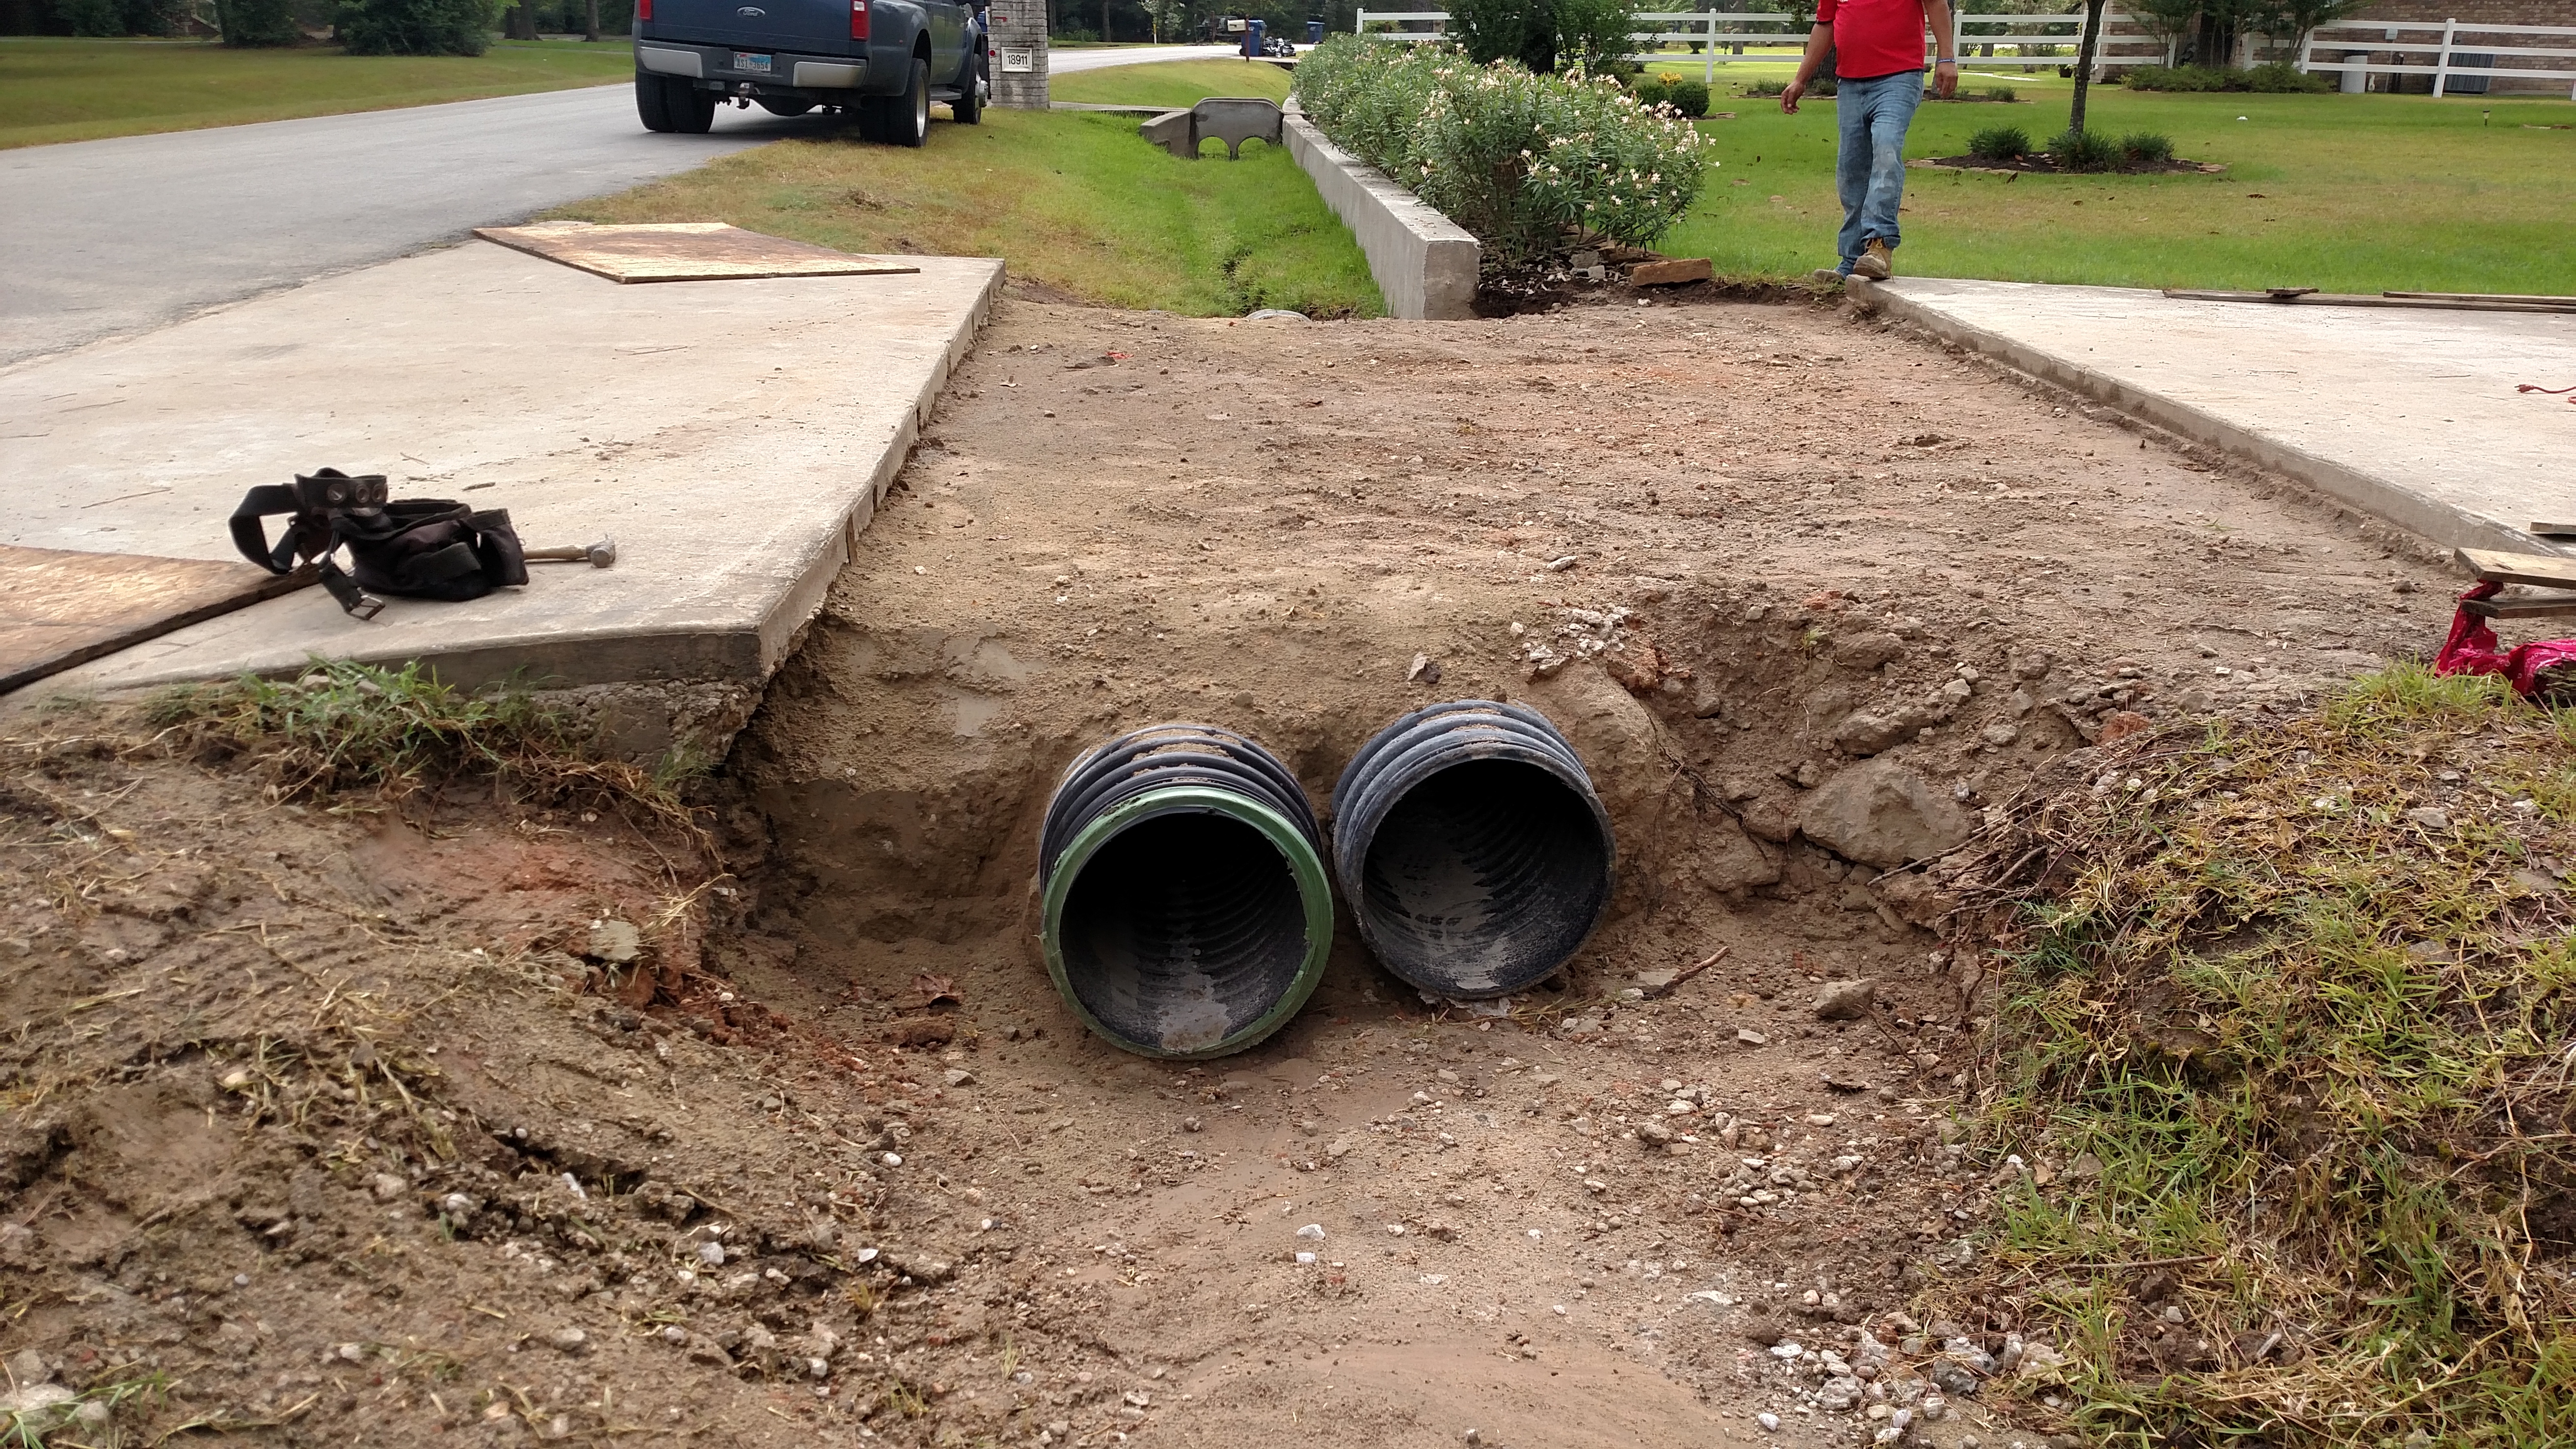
(333, 1126)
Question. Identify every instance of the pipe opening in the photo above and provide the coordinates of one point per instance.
(1484, 878)
(1183, 930)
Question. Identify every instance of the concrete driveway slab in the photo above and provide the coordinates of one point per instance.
(733, 436)
(2408, 415)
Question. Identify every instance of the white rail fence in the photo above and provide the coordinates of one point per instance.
(2454, 53)
(2029, 42)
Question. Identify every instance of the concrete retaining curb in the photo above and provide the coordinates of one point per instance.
(1425, 264)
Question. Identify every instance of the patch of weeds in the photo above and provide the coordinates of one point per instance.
(2084, 151)
(1241, 293)
(343, 726)
(2000, 143)
(2285, 1030)
(2146, 148)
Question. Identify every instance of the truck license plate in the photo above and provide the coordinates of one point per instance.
(745, 60)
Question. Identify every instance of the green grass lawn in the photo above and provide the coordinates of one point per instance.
(1071, 200)
(1173, 83)
(2345, 193)
(79, 90)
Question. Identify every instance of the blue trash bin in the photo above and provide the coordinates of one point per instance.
(1314, 32)
(1252, 41)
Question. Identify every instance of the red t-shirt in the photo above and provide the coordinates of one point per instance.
(1874, 37)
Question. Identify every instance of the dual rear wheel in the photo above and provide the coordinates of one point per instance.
(672, 104)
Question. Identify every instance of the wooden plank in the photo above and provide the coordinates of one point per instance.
(2356, 299)
(2484, 297)
(683, 251)
(2540, 570)
(2541, 528)
(59, 608)
(2524, 608)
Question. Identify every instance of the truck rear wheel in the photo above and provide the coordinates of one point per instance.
(968, 108)
(908, 115)
(665, 103)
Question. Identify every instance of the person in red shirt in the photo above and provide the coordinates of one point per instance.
(1877, 46)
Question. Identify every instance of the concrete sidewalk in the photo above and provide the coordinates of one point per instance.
(2408, 415)
(734, 436)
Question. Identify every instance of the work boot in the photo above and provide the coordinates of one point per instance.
(1876, 261)
(1825, 277)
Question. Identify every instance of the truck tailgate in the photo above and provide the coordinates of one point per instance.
(810, 27)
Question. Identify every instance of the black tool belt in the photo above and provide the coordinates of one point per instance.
(414, 548)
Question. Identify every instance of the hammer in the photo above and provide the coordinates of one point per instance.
(600, 555)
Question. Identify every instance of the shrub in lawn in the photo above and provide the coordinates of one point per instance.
(2002, 93)
(2284, 78)
(1822, 86)
(2084, 151)
(2279, 76)
(2000, 143)
(1594, 34)
(2173, 78)
(108, 18)
(1688, 96)
(1513, 157)
(257, 22)
(418, 27)
(2147, 147)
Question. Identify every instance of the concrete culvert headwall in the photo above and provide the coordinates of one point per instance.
(1186, 908)
(1471, 848)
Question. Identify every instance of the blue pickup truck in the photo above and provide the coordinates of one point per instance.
(884, 60)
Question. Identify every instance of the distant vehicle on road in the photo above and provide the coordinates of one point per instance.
(885, 61)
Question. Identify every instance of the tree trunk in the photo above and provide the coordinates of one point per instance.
(590, 20)
(1104, 19)
(2084, 61)
(523, 20)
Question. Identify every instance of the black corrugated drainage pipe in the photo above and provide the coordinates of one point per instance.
(1187, 909)
(1471, 848)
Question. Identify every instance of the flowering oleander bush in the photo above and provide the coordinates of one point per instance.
(1520, 160)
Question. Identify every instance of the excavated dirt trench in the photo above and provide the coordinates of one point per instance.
(1831, 591)
(498, 1120)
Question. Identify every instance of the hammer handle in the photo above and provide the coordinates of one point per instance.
(566, 554)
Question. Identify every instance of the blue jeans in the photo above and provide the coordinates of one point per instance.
(1870, 172)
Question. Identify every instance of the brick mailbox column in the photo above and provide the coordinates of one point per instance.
(1019, 38)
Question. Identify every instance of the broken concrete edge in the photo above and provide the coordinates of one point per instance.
(2440, 523)
(1425, 265)
(658, 697)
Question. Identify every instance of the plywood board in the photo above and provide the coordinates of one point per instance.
(2540, 570)
(60, 608)
(682, 251)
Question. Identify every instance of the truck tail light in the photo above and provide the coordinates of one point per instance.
(858, 19)
(643, 9)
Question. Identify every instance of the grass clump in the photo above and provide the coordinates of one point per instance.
(2146, 148)
(2000, 143)
(2084, 151)
(343, 727)
(2285, 1028)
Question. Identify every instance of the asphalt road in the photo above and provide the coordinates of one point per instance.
(107, 238)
